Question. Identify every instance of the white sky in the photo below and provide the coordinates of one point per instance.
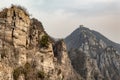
(61, 17)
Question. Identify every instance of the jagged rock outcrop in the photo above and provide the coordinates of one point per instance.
(93, 56)
(27, 52)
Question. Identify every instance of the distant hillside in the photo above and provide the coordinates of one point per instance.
(92, 55)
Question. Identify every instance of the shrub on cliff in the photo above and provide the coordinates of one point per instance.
(44, 41)
(17, 72)
(41, 75)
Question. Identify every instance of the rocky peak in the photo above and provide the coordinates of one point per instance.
(78, 37)
(84, 35)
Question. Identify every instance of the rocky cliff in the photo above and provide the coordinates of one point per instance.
(27, 52)
(93, 56)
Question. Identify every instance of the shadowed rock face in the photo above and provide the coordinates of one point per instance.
(93, 56)
(21, 55)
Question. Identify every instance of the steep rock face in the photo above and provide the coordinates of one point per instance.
(26, 50)
(98, 51)
(61, 57)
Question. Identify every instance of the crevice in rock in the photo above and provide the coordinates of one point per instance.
(57, 48)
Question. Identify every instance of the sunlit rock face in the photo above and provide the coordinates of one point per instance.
(27, 52)
(92, 55)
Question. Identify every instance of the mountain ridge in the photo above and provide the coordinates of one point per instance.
(98, 36)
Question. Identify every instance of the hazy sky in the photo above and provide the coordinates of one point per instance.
(61, 17)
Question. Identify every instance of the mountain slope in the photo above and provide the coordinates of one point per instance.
(106, 40)
(101, 59)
